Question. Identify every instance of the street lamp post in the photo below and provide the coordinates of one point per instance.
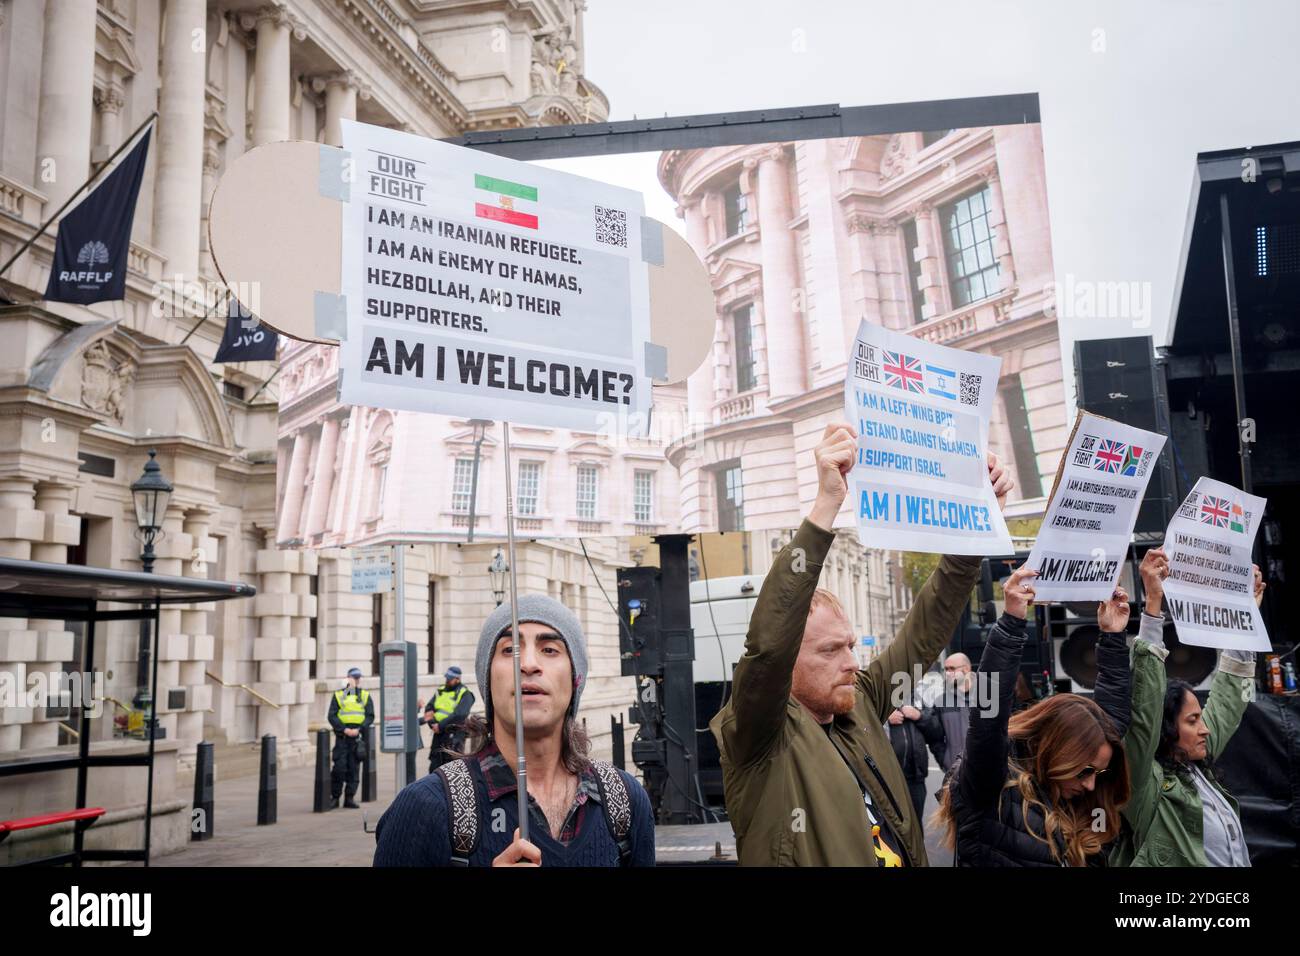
(497, 571)
(151, 492)
(480, 426)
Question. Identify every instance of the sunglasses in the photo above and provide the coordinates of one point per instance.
(1087, 772)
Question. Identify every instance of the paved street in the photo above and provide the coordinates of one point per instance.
(337, 838)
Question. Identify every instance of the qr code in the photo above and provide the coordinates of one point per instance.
(611, 226)
(970, 388)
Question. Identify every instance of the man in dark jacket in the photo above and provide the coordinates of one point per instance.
(580, 812)
(445, 715)
(351, 712)
(911, 730)
(952, 711)
(808, 774)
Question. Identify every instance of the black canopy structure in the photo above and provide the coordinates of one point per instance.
(34, 589)
(1233, 362)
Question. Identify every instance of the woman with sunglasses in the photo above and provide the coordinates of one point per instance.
(1180, 814)
(1044, 786)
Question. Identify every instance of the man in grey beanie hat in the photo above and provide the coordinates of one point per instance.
(467, 812)
(533, 609)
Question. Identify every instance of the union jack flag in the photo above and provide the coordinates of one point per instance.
(1109, 455)
(903, 371)
(1214, 511)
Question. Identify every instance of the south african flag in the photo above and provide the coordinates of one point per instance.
(1131, 461)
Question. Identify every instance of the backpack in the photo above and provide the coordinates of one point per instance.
(465, 818)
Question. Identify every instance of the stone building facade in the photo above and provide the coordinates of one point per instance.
(940, 234)
(85, 392)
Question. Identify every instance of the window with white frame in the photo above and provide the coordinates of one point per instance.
(527, 487)
(643, 483)
(462, 485)
(735, 209)
(968, 241)
(587, 490)
(383, 487)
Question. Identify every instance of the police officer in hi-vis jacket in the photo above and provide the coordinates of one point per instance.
(445, 715)
(351, 712)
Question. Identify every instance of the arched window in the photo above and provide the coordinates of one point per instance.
(379, 448)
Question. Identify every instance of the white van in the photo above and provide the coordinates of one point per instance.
(720, 610)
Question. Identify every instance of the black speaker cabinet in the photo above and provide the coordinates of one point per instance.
(1119, 379)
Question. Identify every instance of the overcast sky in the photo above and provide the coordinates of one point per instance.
(1129, 93)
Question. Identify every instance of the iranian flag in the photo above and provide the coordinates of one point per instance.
(513, 201)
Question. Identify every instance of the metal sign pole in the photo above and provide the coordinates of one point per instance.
(399, 627)
(521, 774)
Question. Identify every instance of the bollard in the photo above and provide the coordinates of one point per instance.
(201, 815)
(266, 785)
(370, 772)
(617, 753)
(323, 799)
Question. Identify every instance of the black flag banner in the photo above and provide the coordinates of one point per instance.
(246, 339)
(90, 252)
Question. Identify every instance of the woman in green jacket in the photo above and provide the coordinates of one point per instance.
(1179, 814)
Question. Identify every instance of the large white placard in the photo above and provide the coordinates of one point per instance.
(490, 288)
(1210, 588)
(1089, 523)
(920, 482)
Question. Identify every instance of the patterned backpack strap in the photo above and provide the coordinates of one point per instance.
(617, 806)
(462, 816)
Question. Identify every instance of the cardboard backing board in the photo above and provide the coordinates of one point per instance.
(272, 227)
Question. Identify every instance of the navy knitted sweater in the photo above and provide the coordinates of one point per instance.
(414, 830)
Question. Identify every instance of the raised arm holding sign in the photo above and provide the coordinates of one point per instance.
(921, 411)
(1211, 586)
(1094, 504)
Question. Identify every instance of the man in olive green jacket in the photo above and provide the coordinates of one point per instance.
(809, 775)
(1167, 822)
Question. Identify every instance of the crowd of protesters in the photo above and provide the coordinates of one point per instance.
(824, 764)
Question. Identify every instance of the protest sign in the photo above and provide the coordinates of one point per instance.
(480, 286)
(1210, 588)
(1094, 504)
(920, 481)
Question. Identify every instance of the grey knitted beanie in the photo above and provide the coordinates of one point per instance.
(537, 609)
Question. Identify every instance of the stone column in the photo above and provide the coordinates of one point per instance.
(67, 97)
(211, 165)
(323, 483)
(291, 507)
(699, 385)
(300, 529)
(271, 77)
(54, 501)
(177, 208)
(340, 91)
(929, 246)
(195, 646)
(20, 522)
(786, 367)
(998, 223)
(108, 103)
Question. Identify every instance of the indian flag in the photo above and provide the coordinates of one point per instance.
(1237, 522)
(512, 201)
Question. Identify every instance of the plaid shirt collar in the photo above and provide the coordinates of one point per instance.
(501, 782)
